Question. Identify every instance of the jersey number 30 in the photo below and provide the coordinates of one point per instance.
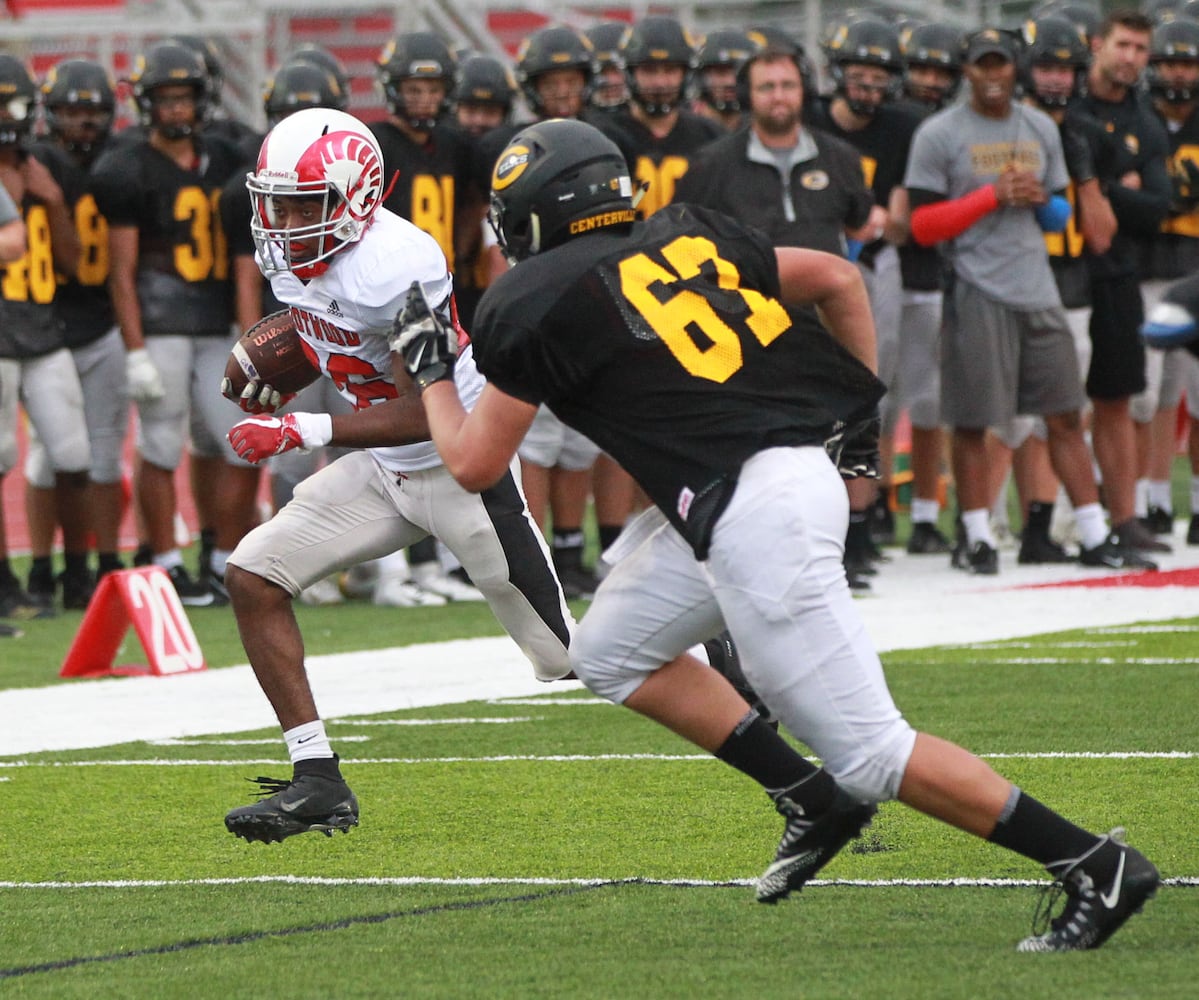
(687, 319)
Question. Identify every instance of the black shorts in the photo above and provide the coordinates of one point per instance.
(1117, 351)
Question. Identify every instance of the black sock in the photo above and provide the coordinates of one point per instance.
(41, 566)
(323, 767)
(1040, 515)
(76, 563)
(8, 579)
(756, 750)
(1036, 831)
(567, 545)
(110, 561)
(424, 551)
(608, 533)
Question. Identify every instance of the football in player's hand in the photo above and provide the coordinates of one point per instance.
(270, 353)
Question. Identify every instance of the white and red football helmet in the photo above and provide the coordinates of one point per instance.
(317, 153)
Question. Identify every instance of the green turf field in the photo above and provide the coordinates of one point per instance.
(561, 847)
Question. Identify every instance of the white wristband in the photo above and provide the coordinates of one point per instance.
(316, 429)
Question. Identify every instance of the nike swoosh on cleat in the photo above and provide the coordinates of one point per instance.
(1111, 901)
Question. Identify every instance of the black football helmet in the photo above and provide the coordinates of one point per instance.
(206, 49)
(725, 47)
(1053, 41)
(318, 55)
(484, 79)
(1084, 16)
(864, 42)
(612, 92)
(1174, 41)
(299, 85)
(605, 39)
(662, 40)
(18, 96)
(417, 55)
(170, 64)
(937, 45)
(556, 180)
(80, 84)
(555, 47)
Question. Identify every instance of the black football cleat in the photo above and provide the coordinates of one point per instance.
(926, 539)
(309, 802)
(1111, 553)
(810, 843)
(1093, 912)
(1040, 550)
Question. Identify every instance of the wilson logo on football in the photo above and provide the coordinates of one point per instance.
(510, 167)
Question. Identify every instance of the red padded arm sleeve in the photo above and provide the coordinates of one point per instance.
(946, 219)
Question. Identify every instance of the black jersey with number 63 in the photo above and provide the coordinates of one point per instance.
(669, 348)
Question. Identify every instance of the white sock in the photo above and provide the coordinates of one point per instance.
(169, 560)
(925, 511)
(1161, 494)
(978, 526)
(1140, 501)
(220, 559)
(307, 741)
(1092, 526)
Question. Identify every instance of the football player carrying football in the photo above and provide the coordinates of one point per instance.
(668, 343)
(344, 264)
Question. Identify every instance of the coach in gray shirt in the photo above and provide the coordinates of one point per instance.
(986, 180)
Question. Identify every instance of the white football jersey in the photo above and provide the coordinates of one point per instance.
(345, 316)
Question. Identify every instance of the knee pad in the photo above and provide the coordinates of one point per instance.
(601, 666)
(874, 770)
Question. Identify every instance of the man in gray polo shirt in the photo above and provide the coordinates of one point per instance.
(986, 179)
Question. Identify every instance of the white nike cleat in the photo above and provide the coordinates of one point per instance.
(431, 577)
(1092, 913)
(397, 593)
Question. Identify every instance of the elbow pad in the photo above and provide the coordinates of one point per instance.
(1053, 215)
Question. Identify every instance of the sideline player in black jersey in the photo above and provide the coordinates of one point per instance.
(169, 281)
(668, 342)
(717, 60)
(865, 62)
(32, 340)
(430, 167)
(14, 600)
(79, 103)
(665, 135)
(611, 91)
(932, 76)
(1171, 254)
(430, 161)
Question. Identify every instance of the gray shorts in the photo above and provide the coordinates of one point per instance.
(353, 511)
(10, 412)
(101, 369)
(191, 369)
(53, 401)
(884, 286)
(997, 361)
(917, 385)
(550, 443)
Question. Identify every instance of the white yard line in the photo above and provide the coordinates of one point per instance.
(917, 602)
